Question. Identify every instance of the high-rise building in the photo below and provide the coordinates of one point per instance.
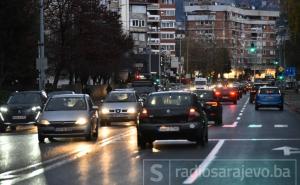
(248, 34)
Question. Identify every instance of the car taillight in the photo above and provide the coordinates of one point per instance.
(217, 93)
(232, 93)
(213, 104)
(144, 113)
(193, 114)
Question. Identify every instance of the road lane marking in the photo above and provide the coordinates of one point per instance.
(281, 126)
(232, 125)
(254, 126)
(211, 156)
(238, 118)
(62, 159)
(259, 139)
(240, 114)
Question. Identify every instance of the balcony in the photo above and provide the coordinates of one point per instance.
(154, 41)
(154, 6)
(153, 29)
(153, 18)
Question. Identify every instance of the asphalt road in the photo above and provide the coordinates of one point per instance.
(252, 147)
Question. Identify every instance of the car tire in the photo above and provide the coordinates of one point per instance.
(41, 138)
(96, 132)
(2, 128)
(13, 128)
(235, 102)
(108, 123)
(51, 139)
(219, 120)
(102, 123)
(89, 136)
(141, 142)
(202, 137)
(256, 107)
(281, 108)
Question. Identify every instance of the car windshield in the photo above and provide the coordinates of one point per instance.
(121, 97)
(205, 95)
(66, 104)
(200, 82)
(60, 92)
(269, 91)
(167, 100)
(25, 98)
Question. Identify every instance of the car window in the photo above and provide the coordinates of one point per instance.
(169, 100)
(269, 91)
(25, 98)
(205, 94)
(66, 104)
(200, 82)
(121, 97)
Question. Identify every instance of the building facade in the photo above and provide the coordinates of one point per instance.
(248, 34)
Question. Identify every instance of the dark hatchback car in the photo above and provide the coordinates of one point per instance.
(212, 106)
(172, 115)
(227, 94)
(22, 108)
(254, 89)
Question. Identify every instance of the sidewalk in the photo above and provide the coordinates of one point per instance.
(292, 99)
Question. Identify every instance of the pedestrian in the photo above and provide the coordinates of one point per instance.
(108, 89)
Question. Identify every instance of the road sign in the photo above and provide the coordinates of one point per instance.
(288, 150)
(290, 71)
(280, 69)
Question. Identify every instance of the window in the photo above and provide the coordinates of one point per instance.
(168, 47)
(137, 23)
(170, 12)
(138, 37)
(168, 1)
(167, 35)
(138, 9)
(168, 24)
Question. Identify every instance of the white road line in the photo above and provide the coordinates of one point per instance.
(281, 126)
(254, 126)
(258, 139)
(238, 118)
(211, 156)
(240, 114)
(232, 125)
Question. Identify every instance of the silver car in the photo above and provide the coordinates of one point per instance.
(69, 115)
(120, 106)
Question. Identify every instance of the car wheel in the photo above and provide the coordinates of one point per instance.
(102, 123)
(13, 128)
(41, 138)
(235, 102)
(2, 128)
(219, 120)
(89, 136)
(141, 142)
(108, 123)
(201, 138)
(96, 132)
(281, 108)
(51, 139)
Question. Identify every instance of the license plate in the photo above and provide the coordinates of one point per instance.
(19, 117)
(225, 97)
(168, 129)
(117, 115)
(63, 129)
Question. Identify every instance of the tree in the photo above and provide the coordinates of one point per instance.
(18, 43)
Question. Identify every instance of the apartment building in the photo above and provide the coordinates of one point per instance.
(237, 29)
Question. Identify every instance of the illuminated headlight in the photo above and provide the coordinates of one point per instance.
(44, 122)
(3, 109)
(35, 108)
(81, 121)
(192, 88)
(131, 110)
(105, 111)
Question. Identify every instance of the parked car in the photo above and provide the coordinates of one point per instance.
(22, 108)
(120, 106)
(172, 115)
(227, 94)
(212, 106)
(269, 97)
(69, 115)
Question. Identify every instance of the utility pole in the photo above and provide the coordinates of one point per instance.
(42, 60)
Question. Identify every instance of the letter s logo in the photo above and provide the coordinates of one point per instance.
(158, 174)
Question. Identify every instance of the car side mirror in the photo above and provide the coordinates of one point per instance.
(95, 107)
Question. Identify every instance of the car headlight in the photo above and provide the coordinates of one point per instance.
(44, 122)
(105, 110)
(81, 121)
(35, 108)
(3, 109)
(131, 110)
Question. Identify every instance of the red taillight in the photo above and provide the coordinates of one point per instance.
(232, 93)
(217, 93)
(144, 113)
(193, 114)
(213, 104)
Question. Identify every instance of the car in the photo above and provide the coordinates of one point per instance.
(59, 92)
(227, 94)
(254, 90)
(22, 108)
(120, 106)
(212, 106)
(269, 97)
(201, 83)
(172, 115)
(69, 115)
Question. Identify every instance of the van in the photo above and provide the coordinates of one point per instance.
(201, 83)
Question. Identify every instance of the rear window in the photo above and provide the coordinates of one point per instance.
(205, 94)
(167, 100)
(269, 91)
(200, 82)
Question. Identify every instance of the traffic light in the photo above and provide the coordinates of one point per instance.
(276, 62)
(252, 48)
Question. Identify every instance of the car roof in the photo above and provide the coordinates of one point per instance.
(28, 92)
(172, 92)
(123, 91)
(269, 87)
(70, 95)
